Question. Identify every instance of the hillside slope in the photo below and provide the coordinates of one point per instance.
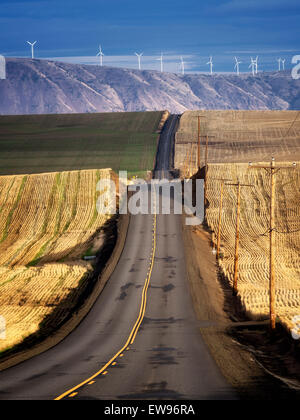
(48, 223)
(41, 86)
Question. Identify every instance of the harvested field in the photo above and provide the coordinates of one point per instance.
(48, 222)
(253, 284)
(239, 136)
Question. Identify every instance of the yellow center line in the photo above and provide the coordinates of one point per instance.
(134, 331)
(73, 395)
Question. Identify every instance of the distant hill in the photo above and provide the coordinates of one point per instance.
(46, 87)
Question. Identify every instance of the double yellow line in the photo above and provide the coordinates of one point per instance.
(73, 392)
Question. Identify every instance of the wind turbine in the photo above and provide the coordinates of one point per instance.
(237, 65)
(161, 59)
(253, 65)
(283, 64)
(211, 64)
(32, 44)
(139, 56)
(182, 65)
(101, 55)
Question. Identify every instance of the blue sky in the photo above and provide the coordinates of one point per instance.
(73, 29)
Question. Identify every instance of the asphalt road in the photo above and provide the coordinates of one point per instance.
(141, 339)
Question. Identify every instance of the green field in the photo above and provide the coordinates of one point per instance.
(53, 143)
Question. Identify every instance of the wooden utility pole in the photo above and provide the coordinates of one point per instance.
(186, 164)
(272, 169)
(206, 168)
(199, 140)
(237, 235)
(190, 163)
(220, 213)
(237, 240)
(272, 247)
(220, 219)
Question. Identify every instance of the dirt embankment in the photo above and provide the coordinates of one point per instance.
(163, 120)
(257, 364)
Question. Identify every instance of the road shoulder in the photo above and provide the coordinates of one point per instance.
(210, 300)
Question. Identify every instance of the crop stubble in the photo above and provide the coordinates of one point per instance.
(240, 137)
(47, 223)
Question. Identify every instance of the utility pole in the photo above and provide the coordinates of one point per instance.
(272, 170)
(206, 169)
(199, 140)
(190, 162)
(220, 213)
(220, 220)
(186, 164)
(237, 235)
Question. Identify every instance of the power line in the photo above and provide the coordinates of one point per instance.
(287, 133)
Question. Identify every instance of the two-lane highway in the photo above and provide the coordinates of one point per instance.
(141, 339)
(165, 148)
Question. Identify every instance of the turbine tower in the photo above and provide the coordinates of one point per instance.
(253, 66)
(211, 64)
(161, 59)
(139, 56)
(256, 65)
(237, 65)
(279, 64)
(32, 44)
(283, 64)
(101, 55)
(182, 65)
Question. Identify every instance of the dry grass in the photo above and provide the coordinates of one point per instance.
(47, 223)
(254, 250)
(240, 136)
(243, 136)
